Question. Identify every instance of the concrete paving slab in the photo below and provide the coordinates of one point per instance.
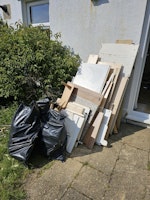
(54, 182)
(147, 193)
(129, 185)
(133, 135)
(91, 183)
(131, 158)
(72, 194)
(120, 172)
(102, 159)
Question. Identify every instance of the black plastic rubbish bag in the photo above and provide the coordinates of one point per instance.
(43, 105)
(53, 136)
(24, 131)
(37, 127)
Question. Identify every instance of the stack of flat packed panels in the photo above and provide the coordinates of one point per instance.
(92, 101)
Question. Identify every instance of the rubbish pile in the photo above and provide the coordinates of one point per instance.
(93, 99)
(37, 125)
(88, 111)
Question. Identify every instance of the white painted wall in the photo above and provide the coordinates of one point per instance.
(84, 26)
(16, 11)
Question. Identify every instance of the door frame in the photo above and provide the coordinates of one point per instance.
(138, 73)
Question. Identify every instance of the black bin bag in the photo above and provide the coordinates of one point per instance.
(43, 105)
(24, 131)
(53, 136)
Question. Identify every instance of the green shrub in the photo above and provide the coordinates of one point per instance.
(33, 63)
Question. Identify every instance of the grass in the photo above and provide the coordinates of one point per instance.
(12, 173)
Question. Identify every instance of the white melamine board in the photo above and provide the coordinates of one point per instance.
(123, 54)
(82, 111)
(92, 76)
(100, 140)
(86, 115)
(74, 124)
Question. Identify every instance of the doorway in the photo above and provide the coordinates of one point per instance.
(143, 102)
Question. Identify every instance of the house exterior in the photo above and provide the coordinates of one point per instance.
(86, 24)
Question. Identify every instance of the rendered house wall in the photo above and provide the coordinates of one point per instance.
(84, 25)
(14, 10)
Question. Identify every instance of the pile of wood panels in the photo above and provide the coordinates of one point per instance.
(92, 101)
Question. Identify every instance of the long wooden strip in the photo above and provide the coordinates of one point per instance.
(124, 41)
(91, 134)
(62, 102)
(93, 131)
(117, 100)
(117, 70)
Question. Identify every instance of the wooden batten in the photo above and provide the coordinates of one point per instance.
(124, 41)
(62, 102)
(92, 132)
(93, 59)
(116, 101)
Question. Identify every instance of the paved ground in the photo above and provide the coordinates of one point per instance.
(119, 172)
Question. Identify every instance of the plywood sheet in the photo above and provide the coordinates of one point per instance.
(92, 76)
(123, 54)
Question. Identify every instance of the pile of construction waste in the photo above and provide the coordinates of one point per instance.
(88, 111)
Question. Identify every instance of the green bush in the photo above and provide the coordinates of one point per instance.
(33, 63)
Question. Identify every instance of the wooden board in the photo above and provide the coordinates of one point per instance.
(117, 70)
(92, 76)
(91, 135)
(62, 102)
(124, 41)
(117, 100)
(93, 59)
(84, 93)
(123, 54)
(93, 109)
(75, 108)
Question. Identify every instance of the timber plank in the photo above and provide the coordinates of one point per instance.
(62, 102)
(117, 100)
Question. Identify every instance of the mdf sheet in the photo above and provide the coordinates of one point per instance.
(80, 91)
(92, 76)
(123, 54)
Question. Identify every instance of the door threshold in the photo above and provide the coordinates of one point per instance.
(137, 123)
(139, 118)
